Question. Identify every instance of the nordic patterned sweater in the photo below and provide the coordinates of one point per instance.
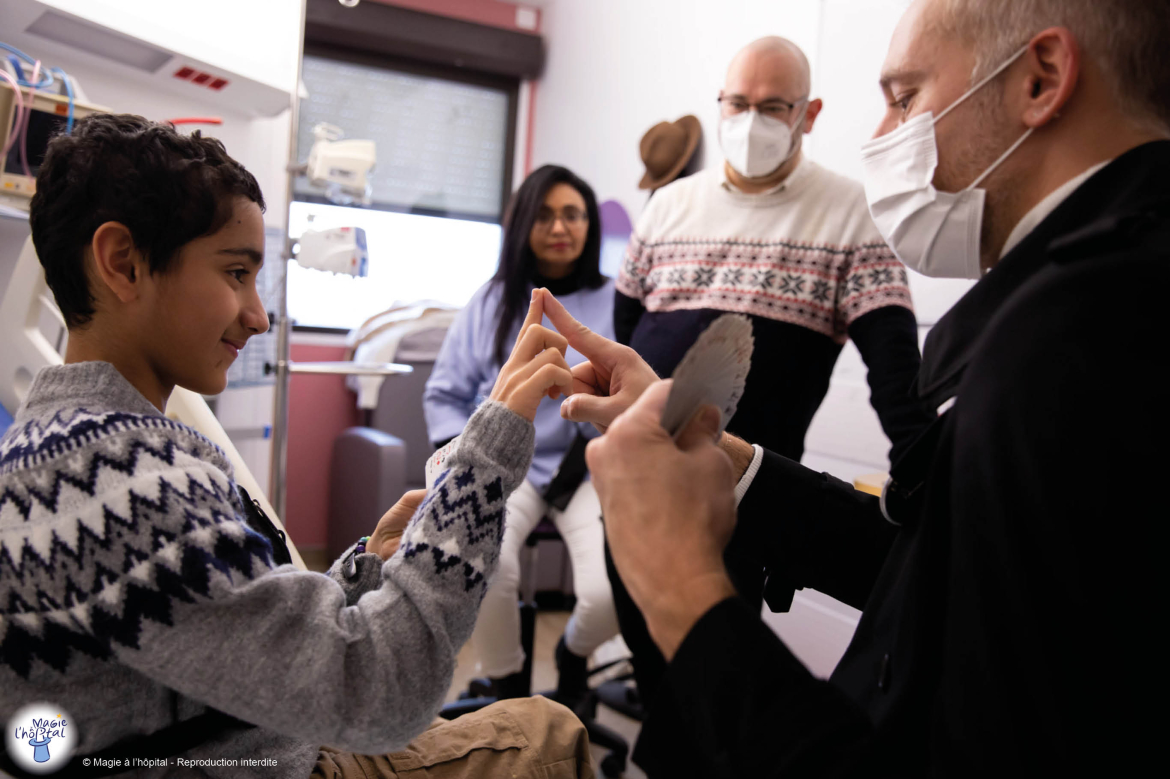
(806, 264)
(133, 595)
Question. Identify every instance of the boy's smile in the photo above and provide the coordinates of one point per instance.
(233, 346)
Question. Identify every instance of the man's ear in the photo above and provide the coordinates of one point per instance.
(118, 264)
(1053, 60)
(810, 116)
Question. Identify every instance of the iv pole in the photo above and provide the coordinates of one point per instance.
(276, 492)
(284, 366)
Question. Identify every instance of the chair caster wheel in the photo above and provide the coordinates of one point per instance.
(613, 765)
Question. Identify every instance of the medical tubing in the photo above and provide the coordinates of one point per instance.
(69, 91)
(17, 115)
(48, 81)
(50, 76)
(27, 121)
(16, 68)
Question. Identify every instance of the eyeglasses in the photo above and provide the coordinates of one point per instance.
(570, 217)
(773, 107)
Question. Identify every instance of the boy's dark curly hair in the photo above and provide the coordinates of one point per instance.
(166, 188)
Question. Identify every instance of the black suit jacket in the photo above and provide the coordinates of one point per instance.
(1010, 617)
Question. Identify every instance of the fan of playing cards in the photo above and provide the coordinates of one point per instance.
(712, 371)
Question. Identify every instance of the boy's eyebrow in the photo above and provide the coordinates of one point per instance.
(256, 257)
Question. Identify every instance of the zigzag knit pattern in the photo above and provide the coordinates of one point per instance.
(473, 519)
(106, 520)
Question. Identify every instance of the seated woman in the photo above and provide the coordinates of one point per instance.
(552, 239)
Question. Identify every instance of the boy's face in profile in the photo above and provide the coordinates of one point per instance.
(199, 314)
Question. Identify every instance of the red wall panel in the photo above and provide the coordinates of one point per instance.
(319, 407)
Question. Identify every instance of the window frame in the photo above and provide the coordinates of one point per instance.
(510, 86)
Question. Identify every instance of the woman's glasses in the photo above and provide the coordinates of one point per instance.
(570, 217)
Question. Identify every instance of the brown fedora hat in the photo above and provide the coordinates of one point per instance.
(666, 149)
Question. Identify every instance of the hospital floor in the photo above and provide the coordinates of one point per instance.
(549, 627)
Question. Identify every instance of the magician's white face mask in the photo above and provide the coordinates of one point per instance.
(935, 233)
(754, 144)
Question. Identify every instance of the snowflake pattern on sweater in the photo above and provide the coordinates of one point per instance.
(809, 255)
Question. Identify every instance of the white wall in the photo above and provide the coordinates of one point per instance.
(616, 67)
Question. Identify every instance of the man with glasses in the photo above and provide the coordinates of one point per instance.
(777, 237)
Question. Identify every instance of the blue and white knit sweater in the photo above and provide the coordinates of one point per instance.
(133, 595)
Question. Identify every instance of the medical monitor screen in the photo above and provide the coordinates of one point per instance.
(42, 126)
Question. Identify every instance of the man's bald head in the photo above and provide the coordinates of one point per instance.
(769, 76)
(771, 67)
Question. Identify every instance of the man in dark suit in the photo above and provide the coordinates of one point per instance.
(1008, 576)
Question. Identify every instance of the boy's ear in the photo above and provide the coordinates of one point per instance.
(118, 264)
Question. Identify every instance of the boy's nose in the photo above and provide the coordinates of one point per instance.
(254, 317)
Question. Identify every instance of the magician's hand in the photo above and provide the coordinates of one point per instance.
(669, 511)
(612, 379)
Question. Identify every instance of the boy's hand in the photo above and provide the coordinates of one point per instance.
(384, 540)
(536, 367)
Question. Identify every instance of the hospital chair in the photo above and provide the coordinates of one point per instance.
(375, 463)
(34, 337)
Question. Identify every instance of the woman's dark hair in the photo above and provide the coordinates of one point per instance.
(168, 189)
(517, 266)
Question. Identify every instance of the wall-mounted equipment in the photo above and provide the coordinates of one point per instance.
(47, 117)
(54, 34)
(337, 250)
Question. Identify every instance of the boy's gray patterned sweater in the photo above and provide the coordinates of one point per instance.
(133, 595)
